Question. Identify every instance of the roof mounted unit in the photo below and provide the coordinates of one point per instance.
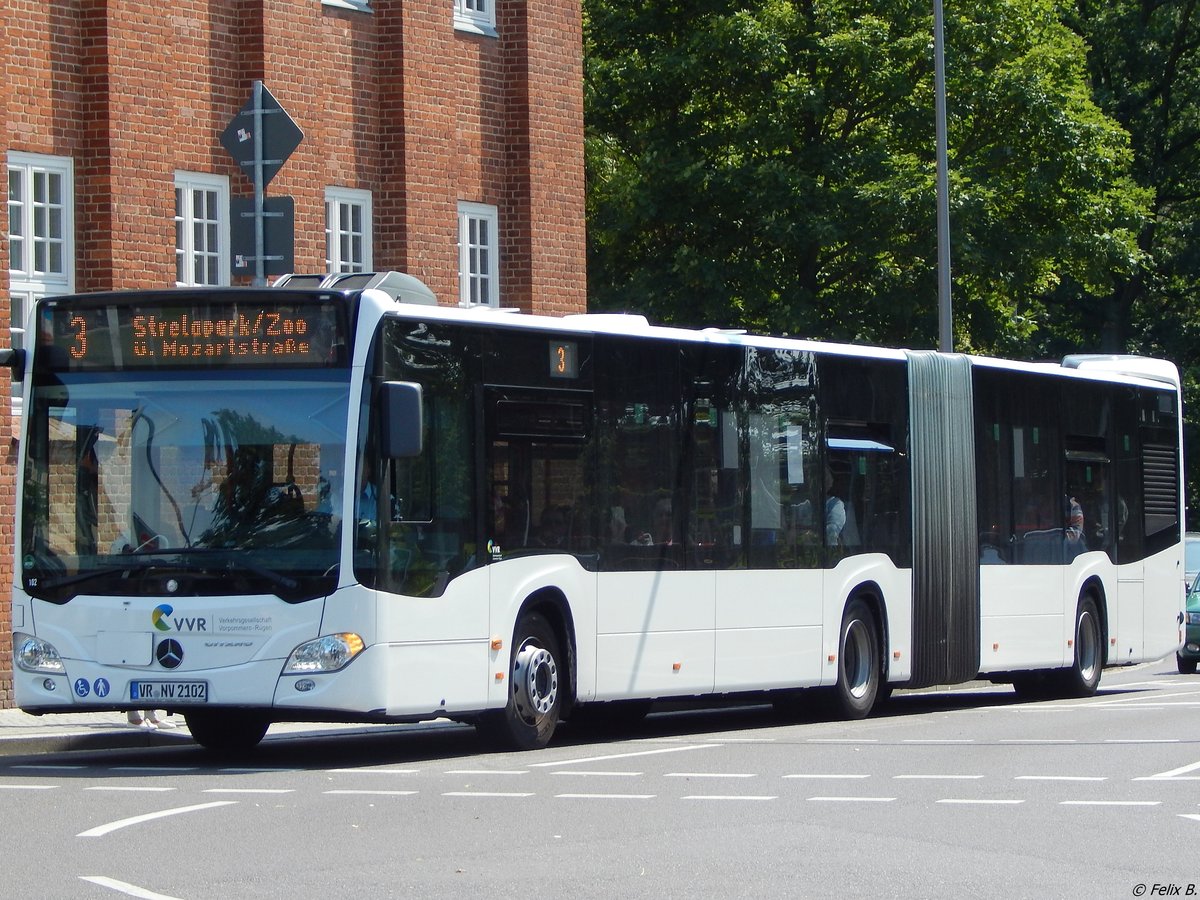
(400, 287)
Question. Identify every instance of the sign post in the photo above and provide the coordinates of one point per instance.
(260, 139)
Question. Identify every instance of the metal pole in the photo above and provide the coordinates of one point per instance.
(945, 310)
(260, 241)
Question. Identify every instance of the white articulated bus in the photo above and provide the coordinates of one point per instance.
(323, 503)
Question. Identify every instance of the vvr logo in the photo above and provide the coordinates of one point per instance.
(163, 620)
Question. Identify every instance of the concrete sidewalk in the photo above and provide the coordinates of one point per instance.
(23, 734)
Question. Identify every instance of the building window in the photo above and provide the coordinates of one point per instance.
(347, 230)
(41, 233)
(201, 229)
(478, 256)
(475, 16)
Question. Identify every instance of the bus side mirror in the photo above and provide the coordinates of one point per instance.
(400, 420)
(14, 360)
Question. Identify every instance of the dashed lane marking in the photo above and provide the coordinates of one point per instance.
(486, 794)
(604, 796)
(129, 788)
(375, 793)
(981, 802)
(591, 759)
(1110, 803)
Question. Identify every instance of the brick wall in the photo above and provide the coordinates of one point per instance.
(396, 102)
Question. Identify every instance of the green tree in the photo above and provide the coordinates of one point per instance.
(770, 166)
(1144, 63)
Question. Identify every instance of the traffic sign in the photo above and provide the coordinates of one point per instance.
(279, 236)
(279, 136)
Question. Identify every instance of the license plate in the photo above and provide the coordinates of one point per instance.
(169, 691)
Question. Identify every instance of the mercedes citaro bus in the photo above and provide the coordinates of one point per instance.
(334, 500)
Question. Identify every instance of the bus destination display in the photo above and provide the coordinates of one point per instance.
(77, 337)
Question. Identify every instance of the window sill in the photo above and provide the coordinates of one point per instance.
(355, 5)
(473, 26)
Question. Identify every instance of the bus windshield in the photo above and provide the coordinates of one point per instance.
(199, 483)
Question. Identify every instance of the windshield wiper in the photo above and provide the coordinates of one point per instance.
(231, 562)
(82, 577)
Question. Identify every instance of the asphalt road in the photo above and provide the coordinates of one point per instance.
(948, 794)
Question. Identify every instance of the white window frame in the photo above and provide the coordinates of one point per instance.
(478, 257)
(340, 205)
(476, 17)
(28, 281)
(186, 184)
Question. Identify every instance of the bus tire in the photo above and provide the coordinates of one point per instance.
(1082, 677)
(859, 671)
(535, 692)
(227, 731)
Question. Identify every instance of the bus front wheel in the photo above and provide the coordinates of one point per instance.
(227, 732)
(535, 690)
(859, 670)
(1082, 677)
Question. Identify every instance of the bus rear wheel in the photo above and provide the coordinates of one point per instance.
(859, 670)
(535, 691)
(228, 731)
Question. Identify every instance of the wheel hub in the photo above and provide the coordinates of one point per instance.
(536, 676)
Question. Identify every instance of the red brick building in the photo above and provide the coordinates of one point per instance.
(443, 138)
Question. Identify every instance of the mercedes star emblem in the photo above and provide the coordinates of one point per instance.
(169, 654)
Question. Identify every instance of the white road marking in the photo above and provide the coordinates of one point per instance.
(1189, 816)
(590, 759)
(29, 787)
(934, 741)
(49, 768)
(374, 771)
(1036, 741)
(959, 802)
(841, 741)
(485, 794)
(604, 796)
(101, 830)
(257, 771)
(1142, 740)
(248, 791)
(129, 788)
(154, 768)
(376, 793)
(1110, 803)
(129, 890)
(1176, 772)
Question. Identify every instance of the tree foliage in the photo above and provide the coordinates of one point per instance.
(771, 166)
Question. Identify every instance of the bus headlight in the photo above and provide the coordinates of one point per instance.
(35, 655)
(325, 654)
